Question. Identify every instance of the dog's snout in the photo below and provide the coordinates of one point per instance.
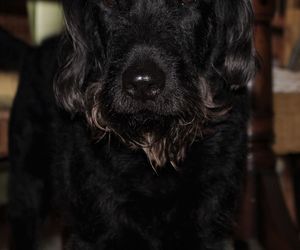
(143, 81)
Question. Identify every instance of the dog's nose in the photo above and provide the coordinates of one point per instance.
(143, 81)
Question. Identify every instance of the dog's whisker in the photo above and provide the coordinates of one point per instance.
(187, 123)
(153, 167)
(174, 165)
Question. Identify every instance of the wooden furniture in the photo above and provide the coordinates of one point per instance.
(13, 7)
(264, 216)
(291, 30)
(286, 33)
(8, 89)
(13, 18)
(287, 113)
(4, 117)
(286, 88)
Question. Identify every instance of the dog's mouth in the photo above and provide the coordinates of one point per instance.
(141, 109)
(139, 125)
(164, 139)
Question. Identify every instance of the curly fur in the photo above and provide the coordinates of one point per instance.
(233, 63)
(94, 155)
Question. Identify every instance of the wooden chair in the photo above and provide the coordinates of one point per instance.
(264, 216)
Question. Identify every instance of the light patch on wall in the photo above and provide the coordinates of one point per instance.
(45, 19)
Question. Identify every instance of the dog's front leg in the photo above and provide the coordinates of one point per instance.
(215, 214)
(219, 186)
(75, 242)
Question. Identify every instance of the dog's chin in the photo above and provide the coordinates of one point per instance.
(164, 138)
(142, 122)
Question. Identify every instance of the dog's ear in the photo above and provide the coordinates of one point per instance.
(78, 56)
(235, 59)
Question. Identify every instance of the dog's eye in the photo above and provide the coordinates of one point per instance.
(109, 3)
(186, 2)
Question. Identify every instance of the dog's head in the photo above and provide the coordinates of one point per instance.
(151, 71)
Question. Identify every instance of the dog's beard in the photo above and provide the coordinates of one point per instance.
(166, 142)
(163, 139)
(171, 147)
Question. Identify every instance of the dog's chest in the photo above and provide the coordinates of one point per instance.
(121, 184)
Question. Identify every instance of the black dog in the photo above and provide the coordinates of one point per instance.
(150, 153)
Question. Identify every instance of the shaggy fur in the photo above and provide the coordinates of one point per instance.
(129, 173)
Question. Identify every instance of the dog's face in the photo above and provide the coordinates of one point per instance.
(151, 70)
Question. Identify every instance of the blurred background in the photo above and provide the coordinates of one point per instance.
(270, 209)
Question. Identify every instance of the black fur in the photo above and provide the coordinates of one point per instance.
(127, 174)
